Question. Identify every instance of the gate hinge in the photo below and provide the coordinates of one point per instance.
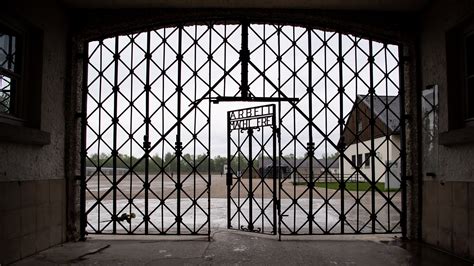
(79, 115)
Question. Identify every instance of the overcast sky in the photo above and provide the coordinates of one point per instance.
(226, 55)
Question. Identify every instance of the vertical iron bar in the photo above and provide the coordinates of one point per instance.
(82, 207)
(98, 143)
(401, 86)
(325, 43)
(225, 58)
(147, 128)
(250, 166)
(295, 172)
(194, 129)
(130, 188)
(262, 173)
(341, 127)
(280, 153)
(388, 138)
(209, 179)
(239, 178)
(115, 122)
(372, 131)
(163, 174)
(262, 178)
(244, 58)
(275, 173)
(178, 136)
(228, 172)
(264, 62)
(310, 132)
(356, 113)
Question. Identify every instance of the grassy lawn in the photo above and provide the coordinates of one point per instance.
(351, 186)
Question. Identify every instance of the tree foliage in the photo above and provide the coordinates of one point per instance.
(187, 163)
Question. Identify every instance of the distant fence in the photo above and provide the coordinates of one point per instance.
(328, 178)
(105, 170)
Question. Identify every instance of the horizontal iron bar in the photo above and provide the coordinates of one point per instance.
(251, 99)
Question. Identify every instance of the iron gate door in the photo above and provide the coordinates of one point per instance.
(252, 174)
(146, 125)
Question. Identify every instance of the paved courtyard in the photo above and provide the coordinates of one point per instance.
(236, 248)
(295, 201)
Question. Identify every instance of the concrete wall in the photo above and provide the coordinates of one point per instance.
(448, 197)
(32, 182)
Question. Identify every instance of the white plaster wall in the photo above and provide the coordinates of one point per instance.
(385, 151)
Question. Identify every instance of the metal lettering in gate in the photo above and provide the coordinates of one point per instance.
(253, 117)
(251, 172)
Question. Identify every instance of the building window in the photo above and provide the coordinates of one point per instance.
(21, 65)
(460, 74)
(367, 160)
(9, 72)
(353, 161)
(460, 81)
(359, 160)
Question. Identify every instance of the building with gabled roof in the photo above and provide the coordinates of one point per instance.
(358, 139)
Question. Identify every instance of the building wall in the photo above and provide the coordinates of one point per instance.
(386, 151)
(32, 183)
(448, 172)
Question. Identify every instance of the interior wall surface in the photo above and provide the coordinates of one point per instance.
(32, 176)
(448, 185)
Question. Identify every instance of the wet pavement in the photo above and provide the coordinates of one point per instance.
(234, 247)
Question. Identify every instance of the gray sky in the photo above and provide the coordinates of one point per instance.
(163, 88)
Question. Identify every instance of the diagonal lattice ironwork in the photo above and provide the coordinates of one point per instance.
(332, 162)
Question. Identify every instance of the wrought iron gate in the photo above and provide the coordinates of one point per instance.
(146, 145)
(251, 169)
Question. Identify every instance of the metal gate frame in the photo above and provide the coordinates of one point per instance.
(243, 125)
(245, 93)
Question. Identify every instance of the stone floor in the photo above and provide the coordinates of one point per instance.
(234, 247)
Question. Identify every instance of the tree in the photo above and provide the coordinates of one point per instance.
(170, 162)
(218, 164)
